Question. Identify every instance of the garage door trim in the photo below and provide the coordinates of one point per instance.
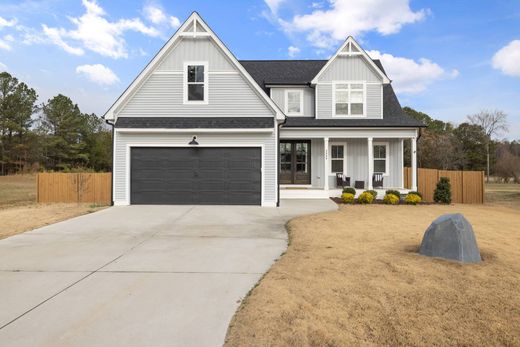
(156, 145)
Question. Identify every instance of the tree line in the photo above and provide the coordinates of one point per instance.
(472, 145)
(54, 135)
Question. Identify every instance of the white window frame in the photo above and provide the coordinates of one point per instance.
(387, 159)
(364, 115)
(185, 83)
(286, 97)
(344, 145)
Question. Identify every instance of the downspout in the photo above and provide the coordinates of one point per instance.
(112, 154)
(278, 159)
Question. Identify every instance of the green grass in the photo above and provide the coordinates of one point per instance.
(17, 190)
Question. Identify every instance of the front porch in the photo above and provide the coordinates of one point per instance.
(309, 163)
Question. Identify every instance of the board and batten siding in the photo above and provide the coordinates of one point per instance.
(189, 49)
(267, 140)
(357, 162)
(278, 96)
(353, 68)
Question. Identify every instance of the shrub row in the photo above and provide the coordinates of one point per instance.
(392, 197)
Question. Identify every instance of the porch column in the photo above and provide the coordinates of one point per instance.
(326, 163)
(370, 162)
(414, 163)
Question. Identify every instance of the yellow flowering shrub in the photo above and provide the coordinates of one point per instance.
(412, 199)
(365, 198)
(347, 198)
(391, 199)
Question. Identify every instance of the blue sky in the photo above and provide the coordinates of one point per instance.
(446, 58)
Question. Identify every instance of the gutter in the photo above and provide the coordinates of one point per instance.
(112, 151)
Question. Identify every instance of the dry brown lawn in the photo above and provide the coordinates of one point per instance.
(17, 190)
(353, 277)
(19, 211)
(505, 194)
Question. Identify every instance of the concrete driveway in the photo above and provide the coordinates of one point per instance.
(139, 275)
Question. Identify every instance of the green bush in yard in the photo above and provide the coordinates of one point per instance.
(394, 192)
(442, 192)
(365, 198)
(349, 190)
(373, 192)
(391, 199)
(347, 198)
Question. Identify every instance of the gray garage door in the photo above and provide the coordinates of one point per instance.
(196, 175)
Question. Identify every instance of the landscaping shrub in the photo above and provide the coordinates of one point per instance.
(442, 192)
(391, 199)
(347, 198)
(373, 192)
(416, 193)
(349, 190)
(412, 199)
(365, 198)
(394, 192)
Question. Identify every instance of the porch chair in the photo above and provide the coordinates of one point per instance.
(342, 180)
(377, 180)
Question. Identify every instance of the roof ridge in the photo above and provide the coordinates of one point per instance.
(263, 60)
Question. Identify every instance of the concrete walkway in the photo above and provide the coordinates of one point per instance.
(139, 275)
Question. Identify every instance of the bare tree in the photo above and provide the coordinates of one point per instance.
(494, 124)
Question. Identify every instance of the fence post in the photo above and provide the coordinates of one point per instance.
(463, 188)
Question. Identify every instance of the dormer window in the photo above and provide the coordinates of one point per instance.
(195, 83)
(294, 102)
(349, 99)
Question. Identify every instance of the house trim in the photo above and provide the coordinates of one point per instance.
(286, 97)
(185, 100)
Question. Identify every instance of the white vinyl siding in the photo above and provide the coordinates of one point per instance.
(162, 96)
(267, 140)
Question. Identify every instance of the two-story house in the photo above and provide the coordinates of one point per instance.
(198, 126)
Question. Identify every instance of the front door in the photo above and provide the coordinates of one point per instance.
(295, 162)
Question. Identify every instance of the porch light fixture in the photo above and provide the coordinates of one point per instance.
(193, 142)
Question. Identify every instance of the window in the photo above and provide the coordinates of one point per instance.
(349, 99)
(294, 102)
(195, 86)
(337, 159)
(381, 158)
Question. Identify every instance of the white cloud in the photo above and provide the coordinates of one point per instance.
(507, 59)
(55, 36)
(410, 76)
(274, 4)
(7, 23)
(175, 22)
(324, 28)
(3, 67)
(293, 51)
(5, 45)
(98, 73)
(154, 14)
(9, 38)
(94, 32)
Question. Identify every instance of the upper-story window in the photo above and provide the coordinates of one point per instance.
(294, 102)
(195, 82)
(349, 99)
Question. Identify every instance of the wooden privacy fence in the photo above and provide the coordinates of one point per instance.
(467, 187)
(75, 187)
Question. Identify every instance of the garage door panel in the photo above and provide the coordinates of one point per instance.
(195, 175)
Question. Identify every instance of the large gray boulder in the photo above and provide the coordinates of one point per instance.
(451, 236)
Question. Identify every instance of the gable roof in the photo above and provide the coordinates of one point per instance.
(287, 72)
(351, 48)
(194, 27)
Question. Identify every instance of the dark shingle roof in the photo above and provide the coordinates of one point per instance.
(303, 71)
(195, 122)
